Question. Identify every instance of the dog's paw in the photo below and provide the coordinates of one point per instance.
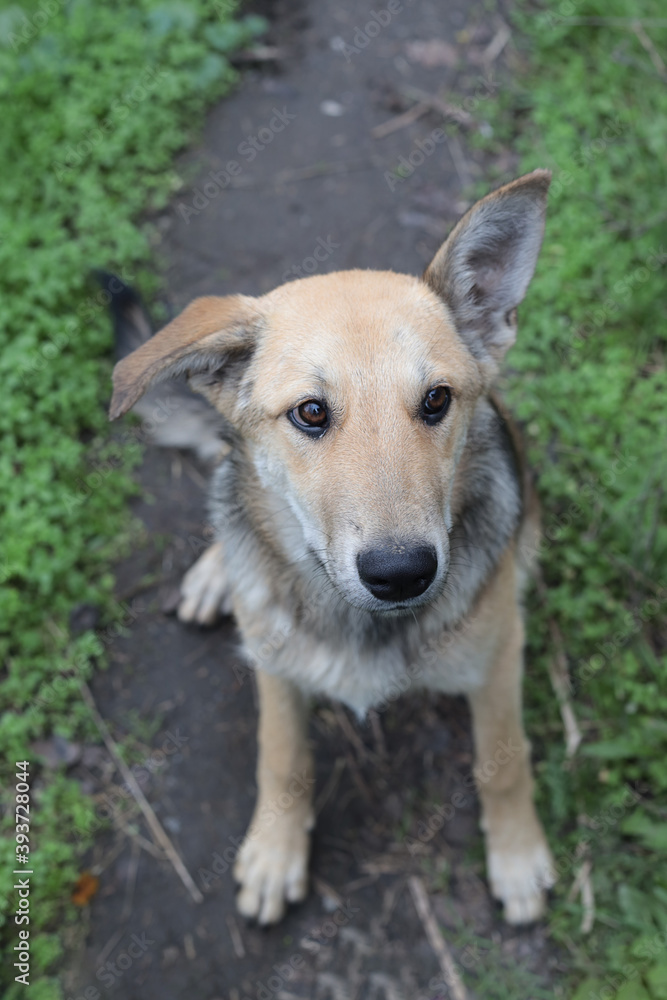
(272, 869)
(204, 595)
(519, 878)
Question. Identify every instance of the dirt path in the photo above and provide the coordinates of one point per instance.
(312, 191)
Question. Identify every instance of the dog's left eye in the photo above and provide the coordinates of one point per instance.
(310, 417)
(435, 404)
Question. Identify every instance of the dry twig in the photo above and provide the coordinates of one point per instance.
(654, 55)
(235, 935)
(143, 842)
(459, 160)
(436, 940)
(447, 110)
(259, 53)
(327, 891)
(331, 785)
(351, 734)
(584, 884)
(497, 44)
(131, 882)
(401, 121)
(141, 800)
(378, 734)
(559, 676)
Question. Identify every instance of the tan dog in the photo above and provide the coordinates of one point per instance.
(373, 514)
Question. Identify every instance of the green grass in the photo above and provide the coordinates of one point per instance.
(96, 101)
(589, 382)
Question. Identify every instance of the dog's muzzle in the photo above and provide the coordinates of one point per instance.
(397, 572)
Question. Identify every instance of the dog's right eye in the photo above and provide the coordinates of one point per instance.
(310, 417)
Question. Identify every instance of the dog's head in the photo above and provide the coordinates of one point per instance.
(354, 391)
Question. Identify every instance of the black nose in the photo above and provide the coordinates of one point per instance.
(397, 572)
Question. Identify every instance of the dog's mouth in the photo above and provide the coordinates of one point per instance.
(409, 607)
(358, 597)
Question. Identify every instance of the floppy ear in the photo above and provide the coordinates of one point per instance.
(213, 336)
(483, 269)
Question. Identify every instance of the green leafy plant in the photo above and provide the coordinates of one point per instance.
(589, 382)
(96, 102)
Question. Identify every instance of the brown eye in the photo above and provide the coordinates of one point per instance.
(311, 417)
(435, 404)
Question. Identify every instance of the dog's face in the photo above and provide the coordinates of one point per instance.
(354, 392)
(356, 405)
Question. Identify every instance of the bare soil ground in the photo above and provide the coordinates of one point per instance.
(322, 181)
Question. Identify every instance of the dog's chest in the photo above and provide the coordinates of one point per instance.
(344, 665)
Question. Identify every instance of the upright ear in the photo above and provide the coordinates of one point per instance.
(483, 269)
(213, 336)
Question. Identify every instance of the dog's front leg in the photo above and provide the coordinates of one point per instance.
(519, 863)
(272, 865)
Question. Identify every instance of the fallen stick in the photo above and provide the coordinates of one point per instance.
(560, 681)
(447, 110)
(497, 44)
(400, 121)
(583, 885)
(259, 53)
(436, 939)
(559, 675)
(654, 55)
(459, 160)
(351, 734)
(587, 900)
(142, 801)
(235, 935)
(144, 843)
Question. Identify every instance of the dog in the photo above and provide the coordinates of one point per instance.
(374, 511)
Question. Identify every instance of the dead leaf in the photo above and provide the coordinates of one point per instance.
(86, 887)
